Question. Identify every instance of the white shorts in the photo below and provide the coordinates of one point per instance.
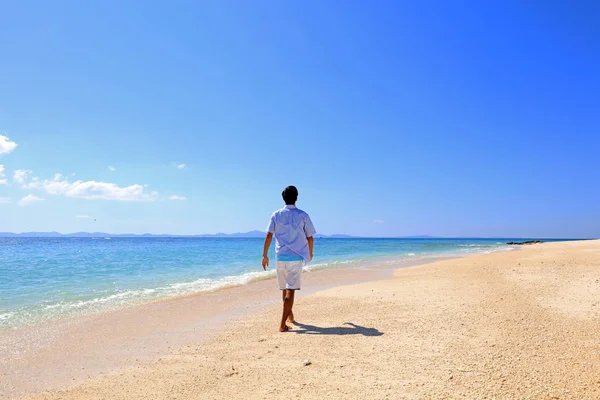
(289, 274)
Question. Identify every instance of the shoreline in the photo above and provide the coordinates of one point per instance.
(99, 344)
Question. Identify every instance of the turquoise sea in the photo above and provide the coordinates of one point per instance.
(47, 278)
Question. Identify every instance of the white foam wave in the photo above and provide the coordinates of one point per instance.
(318, 266)
(148, 294)
(6, 316)
(174, 290)
(114, 298)
(207, 285)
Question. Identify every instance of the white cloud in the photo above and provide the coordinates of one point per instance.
(91, 190)
(2, 176)
(29, 199)
(111, 168)
(378, 221)
(175, 197)
(34, 184)
(83, 216)
(20, 175)
(6, 146)
(4, 200)
(61, 186)
(180, 166)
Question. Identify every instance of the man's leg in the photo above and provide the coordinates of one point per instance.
(290, 318)
(288, 303)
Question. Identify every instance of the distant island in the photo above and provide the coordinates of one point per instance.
(251, 234)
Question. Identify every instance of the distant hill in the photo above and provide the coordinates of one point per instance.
(417, 237)
(335, 236)
(251, 234)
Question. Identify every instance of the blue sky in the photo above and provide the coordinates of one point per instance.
(392, 118)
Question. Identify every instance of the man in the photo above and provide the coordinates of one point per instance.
(293, 232)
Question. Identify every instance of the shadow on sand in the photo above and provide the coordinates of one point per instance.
(352, 329)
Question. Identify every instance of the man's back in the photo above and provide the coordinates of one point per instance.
(291, 227)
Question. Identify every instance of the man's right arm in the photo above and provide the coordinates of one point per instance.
(265, 259)
(268, 239)
(311, 244)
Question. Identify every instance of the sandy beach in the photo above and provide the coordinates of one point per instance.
(514, 325)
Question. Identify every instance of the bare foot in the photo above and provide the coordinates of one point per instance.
(291, 318)
(285, 328)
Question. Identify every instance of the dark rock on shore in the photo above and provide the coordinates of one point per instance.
(528, 242)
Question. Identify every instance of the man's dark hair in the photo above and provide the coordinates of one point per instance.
(290, 195)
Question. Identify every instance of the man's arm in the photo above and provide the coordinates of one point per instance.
(265, 259)
(309, 230)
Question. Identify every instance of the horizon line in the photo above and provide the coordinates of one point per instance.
(256, 232)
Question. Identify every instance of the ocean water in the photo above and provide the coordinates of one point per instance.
(47, 278)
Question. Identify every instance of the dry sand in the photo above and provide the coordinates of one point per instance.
(515, 325)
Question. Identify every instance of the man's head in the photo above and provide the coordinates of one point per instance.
(290, 195)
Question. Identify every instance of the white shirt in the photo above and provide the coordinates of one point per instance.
(291, 227)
